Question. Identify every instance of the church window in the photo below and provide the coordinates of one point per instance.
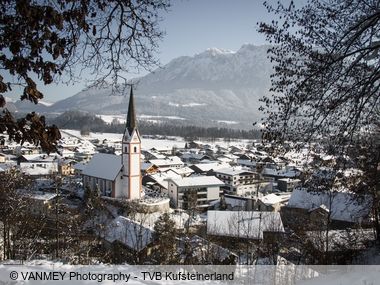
(126, 149)
(135, 149)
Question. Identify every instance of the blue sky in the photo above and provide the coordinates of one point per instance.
(191, 27)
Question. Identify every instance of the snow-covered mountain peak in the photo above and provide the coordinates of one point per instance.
(217, 84)
(215, 51)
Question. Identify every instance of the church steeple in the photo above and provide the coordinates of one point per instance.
(131, 117)
(131, 155)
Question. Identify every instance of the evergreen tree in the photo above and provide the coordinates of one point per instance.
(165, 235)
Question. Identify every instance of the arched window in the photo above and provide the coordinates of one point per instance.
(135, 149)
(126, 149)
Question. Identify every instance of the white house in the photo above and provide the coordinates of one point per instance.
(194, 192)
(168, 162)
(240, 181)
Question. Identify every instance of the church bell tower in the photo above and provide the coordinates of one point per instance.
(131, 154)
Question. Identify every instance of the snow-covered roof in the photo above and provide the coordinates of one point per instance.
(130, 233)
(40, 157)
(148, 220)
(145, 165)
(270, 199)
(103, 165)
(321, 207)
(181, 171)
(234, 171)
(235, 202)
(344, 205)
(210, 166)
(244, 224)
(39, 168)
(171, 160)
(195, 156)
(163, 177)
(289, 180)
(198, 181)
(290, 173)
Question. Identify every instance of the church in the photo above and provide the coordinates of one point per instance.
(118, 176)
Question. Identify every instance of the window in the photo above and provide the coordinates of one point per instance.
(135, 149)
(126, 149)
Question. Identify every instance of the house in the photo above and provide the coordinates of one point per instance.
(207, 168)
(40, 204)
(38, 165)
(3, 158)
(319, 216)
(345, 208)
(194, 192)
(148, 168)
(129, 238)
(246, 160)
(287, 172)
(191, 157)
(150, 154)
(194, 144)
(239, 203)
(227, 158)
(159, 181)
(65, 167)
(183, 171)
(244, 224)
(168, 162)
(344, 205)
(270, 202)
(240, 181)
(287, 184)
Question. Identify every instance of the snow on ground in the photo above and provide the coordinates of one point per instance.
(227, 122)
(143, 116)
(148, 220)
(193, 104)
(368, 274)
(159, 144)
(121, 119)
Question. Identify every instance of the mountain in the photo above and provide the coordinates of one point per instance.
(213, 86)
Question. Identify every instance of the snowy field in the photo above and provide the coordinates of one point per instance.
(149, 143)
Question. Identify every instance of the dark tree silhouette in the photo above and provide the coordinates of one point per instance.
(326, 84)
(327, 69)
(56, 40)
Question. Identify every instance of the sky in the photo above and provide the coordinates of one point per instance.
(192, 26)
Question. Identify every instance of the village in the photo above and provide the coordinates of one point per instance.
(220, 202)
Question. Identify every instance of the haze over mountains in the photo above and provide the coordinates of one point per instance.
(213, 86)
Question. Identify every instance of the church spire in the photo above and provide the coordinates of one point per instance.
(131, 117)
